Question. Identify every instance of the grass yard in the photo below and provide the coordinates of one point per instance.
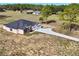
(33, 43)
(15, 15)
(36, 44)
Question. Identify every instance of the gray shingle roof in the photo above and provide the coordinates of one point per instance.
(20, 24)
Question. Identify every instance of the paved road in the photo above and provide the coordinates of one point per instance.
(49, 31)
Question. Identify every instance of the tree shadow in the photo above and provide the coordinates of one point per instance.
(4, 16)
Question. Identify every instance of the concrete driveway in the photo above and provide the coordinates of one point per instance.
(49, 31)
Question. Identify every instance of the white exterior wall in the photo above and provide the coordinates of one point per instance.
(14, 31)
(17, 31)
(20, 31)
(6, 28)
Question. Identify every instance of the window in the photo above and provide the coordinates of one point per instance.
(10, 29)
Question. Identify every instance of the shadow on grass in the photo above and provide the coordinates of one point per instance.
(4, 16)
(31, 33)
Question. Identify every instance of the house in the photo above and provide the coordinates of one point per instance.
(29, 11)
(21, 26)
(2, 10)
(36, 12)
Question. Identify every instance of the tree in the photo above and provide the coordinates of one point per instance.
(70, 16)
(41, 19)
(46, 11)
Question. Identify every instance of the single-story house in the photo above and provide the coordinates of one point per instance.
(29, 11)
(2, 10)
(21, 26)
(36, 12)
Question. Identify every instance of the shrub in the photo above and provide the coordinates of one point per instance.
(41, 19)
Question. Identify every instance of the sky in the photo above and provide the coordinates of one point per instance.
(39, 1)
(55, 2)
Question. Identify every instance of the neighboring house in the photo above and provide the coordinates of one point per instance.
(21, 26)
(36, 12)
(29, 11)
(2, 10)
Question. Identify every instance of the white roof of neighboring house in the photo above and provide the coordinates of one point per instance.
(29, 11)
(36, 12)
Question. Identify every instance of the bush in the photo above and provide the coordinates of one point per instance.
(41, 19)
